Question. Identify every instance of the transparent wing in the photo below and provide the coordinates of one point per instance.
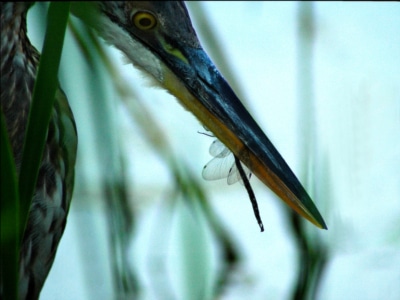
(223, 165)
(218, 168)
(217, 149)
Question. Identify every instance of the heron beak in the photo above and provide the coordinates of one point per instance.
(195, 81)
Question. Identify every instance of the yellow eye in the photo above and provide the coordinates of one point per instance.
(144, 20)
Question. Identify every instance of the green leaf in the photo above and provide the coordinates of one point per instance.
(42, 104)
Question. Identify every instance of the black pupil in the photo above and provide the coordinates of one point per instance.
(145, 22)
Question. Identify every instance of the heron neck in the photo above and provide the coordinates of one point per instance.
(19, 61)
(14, 39)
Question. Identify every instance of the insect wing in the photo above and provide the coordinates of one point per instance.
(223, 165)
(217, 149)
(218, 168)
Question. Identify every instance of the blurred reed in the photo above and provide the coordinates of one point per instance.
(312, 254)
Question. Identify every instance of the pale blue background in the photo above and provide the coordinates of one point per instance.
(357, 101)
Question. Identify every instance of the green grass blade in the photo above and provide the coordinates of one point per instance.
(9, 217)
(42, 103)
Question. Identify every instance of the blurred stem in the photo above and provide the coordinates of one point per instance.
(312, 255)
(230, 254)
(312, 258)
(121, 221)
(306, 102)
(120, 215)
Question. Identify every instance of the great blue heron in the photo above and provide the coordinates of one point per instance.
(158, 38)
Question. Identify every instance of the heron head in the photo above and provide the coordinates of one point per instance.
(158, 38)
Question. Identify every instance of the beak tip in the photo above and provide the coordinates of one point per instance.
(322, 225)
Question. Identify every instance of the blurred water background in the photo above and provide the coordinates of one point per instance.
(323, 81)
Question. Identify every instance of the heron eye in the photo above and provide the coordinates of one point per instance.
(144, 20)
